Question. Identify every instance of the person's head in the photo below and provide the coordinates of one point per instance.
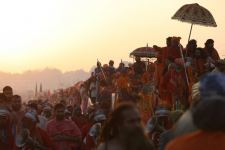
(209, 43)
(16, 102)
(63, 102)
(111, 63)
(209, 114)
(4, 118)
(125, 116)
(8, 92)
(59, 110)
(30, 119)
(77, 111)
(192, 44)
(47, 111)
(175, 41)
(131, 118)
(137, 59)
(125, 125)
(99, 116)
(212, 84)
(220, 64)
(160, 119)
(33, 105)
(121, 65)
(168, 41)
(99, 64)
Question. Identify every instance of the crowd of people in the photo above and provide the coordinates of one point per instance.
(175, 103)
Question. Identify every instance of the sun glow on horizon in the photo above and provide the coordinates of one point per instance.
(72, 34)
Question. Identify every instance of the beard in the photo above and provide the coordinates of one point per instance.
(135, 139)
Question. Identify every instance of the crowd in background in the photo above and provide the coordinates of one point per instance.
(175, 102)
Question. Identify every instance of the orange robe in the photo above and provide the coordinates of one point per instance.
(161, 64)
(174, 52)
(165, 94)
(199, 140)
(146, 107)
(213, 54)
(122, 84)
(172, 86)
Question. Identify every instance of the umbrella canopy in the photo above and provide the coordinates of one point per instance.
(195, 14)
(144, 52)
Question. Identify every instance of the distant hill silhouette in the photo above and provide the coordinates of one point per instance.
(51, 79)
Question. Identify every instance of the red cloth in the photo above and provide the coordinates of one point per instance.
(199, 140)
(79, 121)
(212, 53)
(42, 138)
(174, 52)
(47, 142)
(65, 127)
(10, 143)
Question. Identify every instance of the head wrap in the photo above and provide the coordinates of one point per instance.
(32, 114)
(213, 84)
(99, 116)
(176, 39)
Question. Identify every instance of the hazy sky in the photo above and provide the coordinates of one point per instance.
(72, 34)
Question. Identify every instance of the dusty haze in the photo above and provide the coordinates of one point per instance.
(51, 79)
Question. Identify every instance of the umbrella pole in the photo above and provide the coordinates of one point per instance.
(190, 32)
(185, 70)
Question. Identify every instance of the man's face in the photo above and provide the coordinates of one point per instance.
(168, 42)
(210, 45)
(193, 46)
(111, 63)
(47, 113)
(8, 93)
(138, 59)
(132, 119)
(16, 104)
(60, 113)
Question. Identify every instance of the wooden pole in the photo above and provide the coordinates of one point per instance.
(190, 32)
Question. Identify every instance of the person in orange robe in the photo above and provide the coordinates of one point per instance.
(161, 62)
(198, 140)
(197, 57)
(208, 117)
(173, 85)
(146, 102)
(211, 51)
(165, 87)
(123, 86)
(174, 51)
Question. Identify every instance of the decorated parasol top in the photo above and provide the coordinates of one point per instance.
(148, 52)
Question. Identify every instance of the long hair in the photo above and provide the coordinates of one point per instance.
(111, 128)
